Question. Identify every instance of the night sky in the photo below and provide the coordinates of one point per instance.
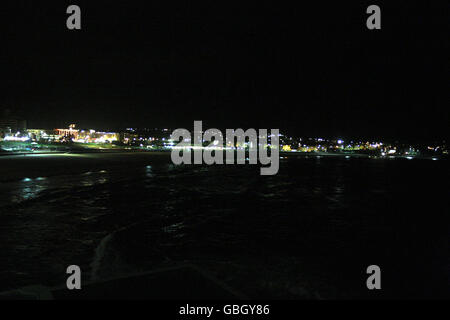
(309, 69)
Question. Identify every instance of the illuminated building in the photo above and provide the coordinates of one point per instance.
(71, 132)
(287, 148)
(93, 136)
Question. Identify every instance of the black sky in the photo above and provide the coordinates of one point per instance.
(310, 68)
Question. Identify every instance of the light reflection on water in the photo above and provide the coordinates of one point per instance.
(149, 172)
(14, 192)
(18, 191)
(94, 178)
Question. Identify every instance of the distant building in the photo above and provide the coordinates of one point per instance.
(11, 124)
(69, 134)
(86, 136)
(43, 135)
(92, 136)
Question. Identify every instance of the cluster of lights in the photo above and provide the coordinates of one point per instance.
(17, 139)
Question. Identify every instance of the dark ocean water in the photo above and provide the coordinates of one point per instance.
(309, 232)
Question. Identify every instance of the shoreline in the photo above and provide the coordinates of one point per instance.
(281, 153)
(361, 155)
(87, 151)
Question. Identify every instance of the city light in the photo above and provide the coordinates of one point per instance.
(12, 138)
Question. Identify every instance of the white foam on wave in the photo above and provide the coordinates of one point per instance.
(99, 255)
